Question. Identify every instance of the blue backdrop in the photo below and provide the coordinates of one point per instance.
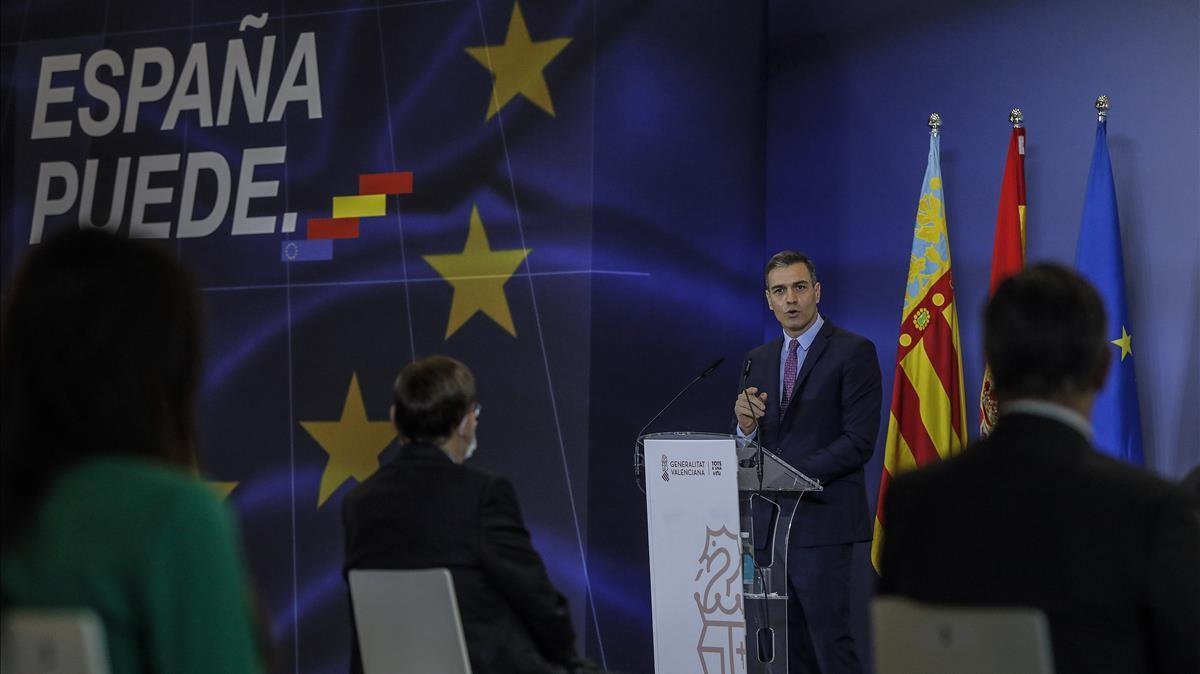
(644, 161)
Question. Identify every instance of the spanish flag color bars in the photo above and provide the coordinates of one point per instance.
(1008, 248)
(929, 418)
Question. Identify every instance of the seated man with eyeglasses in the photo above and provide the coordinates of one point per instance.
(428, 509)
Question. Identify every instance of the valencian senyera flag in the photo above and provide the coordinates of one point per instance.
(1115, 417)
(1008, 253)
(928, 417)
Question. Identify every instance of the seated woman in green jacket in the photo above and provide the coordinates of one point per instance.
(99, 504)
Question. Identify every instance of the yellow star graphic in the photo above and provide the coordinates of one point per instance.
(517, 65)
(353, 443)
(1125, 342)
(478, 275)
(222, 489)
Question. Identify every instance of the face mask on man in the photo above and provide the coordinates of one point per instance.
(462, 429)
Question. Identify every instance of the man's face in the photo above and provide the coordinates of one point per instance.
(793, 297)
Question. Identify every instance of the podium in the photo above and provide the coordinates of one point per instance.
(716, 602)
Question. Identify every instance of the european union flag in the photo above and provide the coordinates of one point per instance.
(1115, 417)
(305, 250)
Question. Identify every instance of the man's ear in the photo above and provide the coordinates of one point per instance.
(817, 292)
(392, 414)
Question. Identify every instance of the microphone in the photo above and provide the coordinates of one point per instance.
(742, 387)
(709, 370)
(637, 456)
(758, 458)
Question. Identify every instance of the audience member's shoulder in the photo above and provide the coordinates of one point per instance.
(951, 478)
(1131, 482)
(143, 479)
(488, 483)
(144, 495)
(479, 474)
(468, 472)
(925, 475)
(1191, 485)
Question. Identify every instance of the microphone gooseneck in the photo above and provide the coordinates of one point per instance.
(758, 459)
(637, 453)
(742, 388)
(709, 370)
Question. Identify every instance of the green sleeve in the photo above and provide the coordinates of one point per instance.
(196, 593)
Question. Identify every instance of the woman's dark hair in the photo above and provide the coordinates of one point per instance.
(432, 395)
(100, 354)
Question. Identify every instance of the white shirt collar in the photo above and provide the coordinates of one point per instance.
(1049, 410)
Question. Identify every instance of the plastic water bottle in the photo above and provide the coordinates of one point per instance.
(747, 563)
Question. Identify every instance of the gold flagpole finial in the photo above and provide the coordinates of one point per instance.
(1102, 106)
(935, 124)
(1016, 118)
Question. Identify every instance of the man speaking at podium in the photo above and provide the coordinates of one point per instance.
(813, 396)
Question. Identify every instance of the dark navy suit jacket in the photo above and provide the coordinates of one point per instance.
(828, 431)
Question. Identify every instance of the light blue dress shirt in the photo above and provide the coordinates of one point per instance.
(806, 339)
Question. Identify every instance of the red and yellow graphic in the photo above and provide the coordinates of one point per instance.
(370, 202)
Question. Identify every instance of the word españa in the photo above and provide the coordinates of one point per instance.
(115, 102)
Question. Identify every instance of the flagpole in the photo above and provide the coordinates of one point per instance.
(935, 124)
(1016, 117)
(1102, 106)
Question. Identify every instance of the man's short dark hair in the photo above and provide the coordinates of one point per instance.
(786, 258)
(1044, 334)
(432, 395)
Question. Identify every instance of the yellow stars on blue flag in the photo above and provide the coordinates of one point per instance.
(1125, 341)
(478, 275)
(517, 65)
(1116, 416)
(353, 443)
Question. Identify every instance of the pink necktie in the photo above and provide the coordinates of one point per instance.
(789, 374)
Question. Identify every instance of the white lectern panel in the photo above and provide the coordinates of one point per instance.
(695, 555)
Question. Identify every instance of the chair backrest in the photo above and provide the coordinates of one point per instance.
(913, 637)
(408, 622)
(52, 641)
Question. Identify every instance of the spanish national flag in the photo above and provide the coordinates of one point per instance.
(929, 415)
(1008, 252)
